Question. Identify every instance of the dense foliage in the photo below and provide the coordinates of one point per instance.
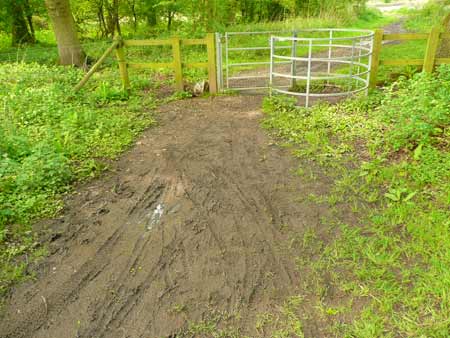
(49, 140)
(390, 159)
(106, 17)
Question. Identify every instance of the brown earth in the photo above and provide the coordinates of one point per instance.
(230, 209)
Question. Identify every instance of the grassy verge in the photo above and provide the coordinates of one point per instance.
(51, 139)
(389, 157)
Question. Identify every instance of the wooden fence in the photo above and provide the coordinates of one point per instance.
(177, 64)
(428, 62)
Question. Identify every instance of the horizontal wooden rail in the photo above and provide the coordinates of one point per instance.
(150, 65)
(159, 65)
(162, 42)
(429, 61)
(411, 36)
(177, 64)
(191, 42)
(405, 36)
(443, 61)
(137, 43)
(410, 62)
(196, 65)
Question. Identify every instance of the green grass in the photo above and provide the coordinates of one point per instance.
(50, 139)
(389, 158)
(424, 19)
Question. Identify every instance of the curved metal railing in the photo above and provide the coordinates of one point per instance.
(322, 63)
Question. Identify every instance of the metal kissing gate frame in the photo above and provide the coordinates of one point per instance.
(229, 77)
(337, 61)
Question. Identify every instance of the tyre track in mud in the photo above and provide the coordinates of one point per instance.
(222, 243)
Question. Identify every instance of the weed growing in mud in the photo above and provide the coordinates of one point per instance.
(49, 140)
(389, 157)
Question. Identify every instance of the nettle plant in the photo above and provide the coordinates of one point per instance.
(418, 111)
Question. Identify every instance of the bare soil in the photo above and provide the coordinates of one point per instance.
(230, 207)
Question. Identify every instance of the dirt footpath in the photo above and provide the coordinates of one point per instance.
(194, 220)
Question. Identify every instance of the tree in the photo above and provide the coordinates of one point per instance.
(170, 7)
(21, 25)
(112, 17)
(69, 47)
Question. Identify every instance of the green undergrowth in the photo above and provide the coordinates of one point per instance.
(51, 138)
(422, 20)
(389, 158)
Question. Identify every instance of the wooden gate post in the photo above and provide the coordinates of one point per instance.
(123, 67)
(375, 58)
(212, 69)
(432, 48)
(177, 65)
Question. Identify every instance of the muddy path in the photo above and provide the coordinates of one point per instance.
(195, 219)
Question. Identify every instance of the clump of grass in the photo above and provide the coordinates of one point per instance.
(433, 13)
(51, 138)
(389, 155)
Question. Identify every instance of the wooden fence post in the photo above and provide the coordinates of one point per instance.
(432, 47)
(177, 65)
(375, 62)
(212, 70)
(123, 68)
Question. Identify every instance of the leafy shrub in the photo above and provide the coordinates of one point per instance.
(49, 138)
(389, 156)
(418, 110)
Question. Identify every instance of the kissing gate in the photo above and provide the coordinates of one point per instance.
(308, 64)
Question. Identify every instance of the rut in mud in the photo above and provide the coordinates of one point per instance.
(226, 204)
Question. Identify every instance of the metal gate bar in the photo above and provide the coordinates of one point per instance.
(353, 52)
(225, 50)
(255, 74)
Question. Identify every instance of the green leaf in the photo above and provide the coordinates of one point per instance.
(392, 197)
(410, 195)
(418, 152)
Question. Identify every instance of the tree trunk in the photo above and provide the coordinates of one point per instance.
(150, 13)
(134, 14)
(210, 16)
(112, 17)
(20, 33)
(116, 16)
(444, 48)
(169, 19)
(29, 17)
(69, 48)
(152, 19)
(101, 20)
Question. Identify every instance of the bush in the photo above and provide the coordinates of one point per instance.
(49, 139)
(389, 156)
